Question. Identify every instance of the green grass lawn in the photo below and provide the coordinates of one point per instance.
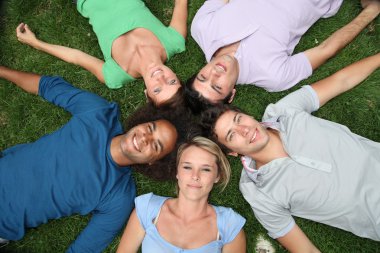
(25, 118)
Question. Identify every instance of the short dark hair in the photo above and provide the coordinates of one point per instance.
(209, 118)
(195, 101)
(165, 168)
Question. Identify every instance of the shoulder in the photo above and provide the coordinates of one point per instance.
(147, 207)
(229, 223)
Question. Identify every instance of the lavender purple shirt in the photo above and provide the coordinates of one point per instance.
(268, 31)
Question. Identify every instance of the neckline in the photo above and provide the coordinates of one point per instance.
(179, 248)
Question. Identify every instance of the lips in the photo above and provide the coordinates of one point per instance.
(155, 72)
(220, 68)
(254, 136)
(194, 186)
(135, 143)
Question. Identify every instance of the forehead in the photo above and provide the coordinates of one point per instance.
(167, 92)
(166, 133)
(196, 154)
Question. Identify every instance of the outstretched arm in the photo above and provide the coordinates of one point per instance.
(133, 235)
(238, 244)
(179, 18)
(297, 242)
(70, 55)
(339, 39)
(345, 79)
(26, 81)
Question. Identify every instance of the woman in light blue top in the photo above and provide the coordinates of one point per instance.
(188, 223)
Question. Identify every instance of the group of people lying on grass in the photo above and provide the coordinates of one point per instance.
(294, 164)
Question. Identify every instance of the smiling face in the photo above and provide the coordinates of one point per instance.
(241, 133)
(217, 79)
(148, 142)
(161, 84)
(197, 172)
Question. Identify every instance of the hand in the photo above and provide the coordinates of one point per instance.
(375, 4)
(25, 35)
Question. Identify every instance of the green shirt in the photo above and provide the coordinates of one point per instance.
(111, 19)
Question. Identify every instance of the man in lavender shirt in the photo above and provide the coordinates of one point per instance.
(252, 41)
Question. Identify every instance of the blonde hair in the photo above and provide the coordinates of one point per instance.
(224, 168)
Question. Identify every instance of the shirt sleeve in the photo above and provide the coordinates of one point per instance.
(229, 224)
(276, 219)
(106, 221)
(281, 71)
(304, 99)
(61, 93)
(147, 208)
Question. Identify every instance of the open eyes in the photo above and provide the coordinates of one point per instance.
(172, 82)
(157, 90)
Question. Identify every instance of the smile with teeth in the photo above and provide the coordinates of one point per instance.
(156, 72)
(220, 68)
(135, 144)
(253, 137)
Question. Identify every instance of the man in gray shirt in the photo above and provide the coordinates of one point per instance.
(301, 165)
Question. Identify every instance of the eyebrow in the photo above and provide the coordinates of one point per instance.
(229, 131)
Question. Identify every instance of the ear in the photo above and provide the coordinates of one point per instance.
(232, 96)
(145, 92)
(233, 154)
(216, 180)
(176, 176)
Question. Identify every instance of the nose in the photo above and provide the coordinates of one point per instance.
(242, 130)
(146, 138)
(195, 175)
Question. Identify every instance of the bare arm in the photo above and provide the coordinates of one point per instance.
(70, 55)
(297, 242)
(339, 39)
(27, 81)
(238, 245)
(345, 79)
(179, 18)
(133, 235)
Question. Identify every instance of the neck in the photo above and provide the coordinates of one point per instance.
(189, 210)
(148, 57)
(229, 49)
(273, 150)
(116, 153)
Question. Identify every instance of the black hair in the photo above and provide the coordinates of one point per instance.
(164, 169)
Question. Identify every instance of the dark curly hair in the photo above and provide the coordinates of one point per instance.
(164, 169)
(195, 101)
(208, 121)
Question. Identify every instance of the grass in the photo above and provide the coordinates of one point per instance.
(25, 118)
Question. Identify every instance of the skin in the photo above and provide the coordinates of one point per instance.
(214, 84)
(183, 220)
(237, 132)
(217, 79)
(138, 52)
(145, 143)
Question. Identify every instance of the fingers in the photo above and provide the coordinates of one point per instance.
(20, 28)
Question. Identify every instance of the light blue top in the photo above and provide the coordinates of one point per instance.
(147, 208)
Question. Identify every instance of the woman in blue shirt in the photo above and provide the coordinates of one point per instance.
(162, 224)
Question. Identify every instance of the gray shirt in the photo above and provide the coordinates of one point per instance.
(331, 176)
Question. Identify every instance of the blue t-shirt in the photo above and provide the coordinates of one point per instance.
(147, 208)
(69, 171)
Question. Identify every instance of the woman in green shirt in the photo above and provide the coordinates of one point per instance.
(133, 41)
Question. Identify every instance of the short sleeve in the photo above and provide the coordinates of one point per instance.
(147, 208)
(114, 76)
(229, 224)
(174, 43)
(276, 219)
(61, 93)
(304, 99)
